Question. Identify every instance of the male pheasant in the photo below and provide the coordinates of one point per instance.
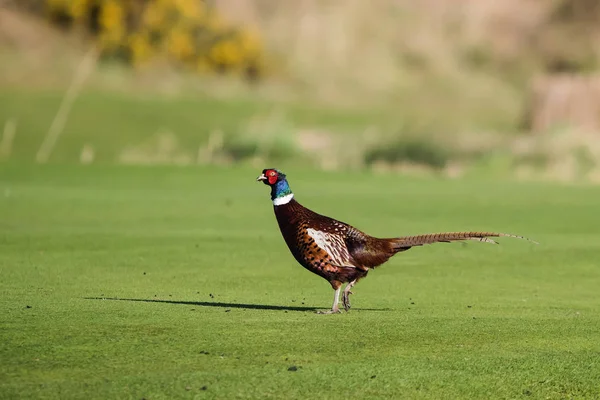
(337, 251)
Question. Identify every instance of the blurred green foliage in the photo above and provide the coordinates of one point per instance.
(412, 150)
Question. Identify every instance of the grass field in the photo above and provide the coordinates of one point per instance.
(112, 122)
(164, 282)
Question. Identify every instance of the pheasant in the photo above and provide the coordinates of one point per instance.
(339, 252)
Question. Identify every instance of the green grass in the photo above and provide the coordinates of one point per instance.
(161, 283)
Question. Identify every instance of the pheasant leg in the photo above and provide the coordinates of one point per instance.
(346, 295)
(336, 300)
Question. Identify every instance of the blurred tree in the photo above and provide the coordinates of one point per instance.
(567, 95)
(568, 39)
(188, 33)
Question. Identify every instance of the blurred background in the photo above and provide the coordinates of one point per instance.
(455, 87)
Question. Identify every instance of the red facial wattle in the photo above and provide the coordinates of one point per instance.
(271, 176)
(272, 179)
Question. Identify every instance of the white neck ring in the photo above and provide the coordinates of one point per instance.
(279, 201)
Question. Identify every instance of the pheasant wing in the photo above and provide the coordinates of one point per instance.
(334, 244)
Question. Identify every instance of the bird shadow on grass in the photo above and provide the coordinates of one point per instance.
(229, 305)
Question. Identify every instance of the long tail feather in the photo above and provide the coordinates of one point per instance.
(405, 242)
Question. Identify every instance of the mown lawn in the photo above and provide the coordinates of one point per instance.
(165, 282)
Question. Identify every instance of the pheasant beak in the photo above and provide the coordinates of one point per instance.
(262, 177)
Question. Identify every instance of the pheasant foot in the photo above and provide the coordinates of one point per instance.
(335, 308)
(346, 295)
(332, 311)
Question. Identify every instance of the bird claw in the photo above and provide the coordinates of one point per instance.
(329, 312)
(346, 300)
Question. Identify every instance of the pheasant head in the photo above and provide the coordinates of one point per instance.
(280, 189)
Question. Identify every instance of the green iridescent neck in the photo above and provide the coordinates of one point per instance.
(281, 192)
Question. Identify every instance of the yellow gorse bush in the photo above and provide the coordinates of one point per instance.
(185, 32)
